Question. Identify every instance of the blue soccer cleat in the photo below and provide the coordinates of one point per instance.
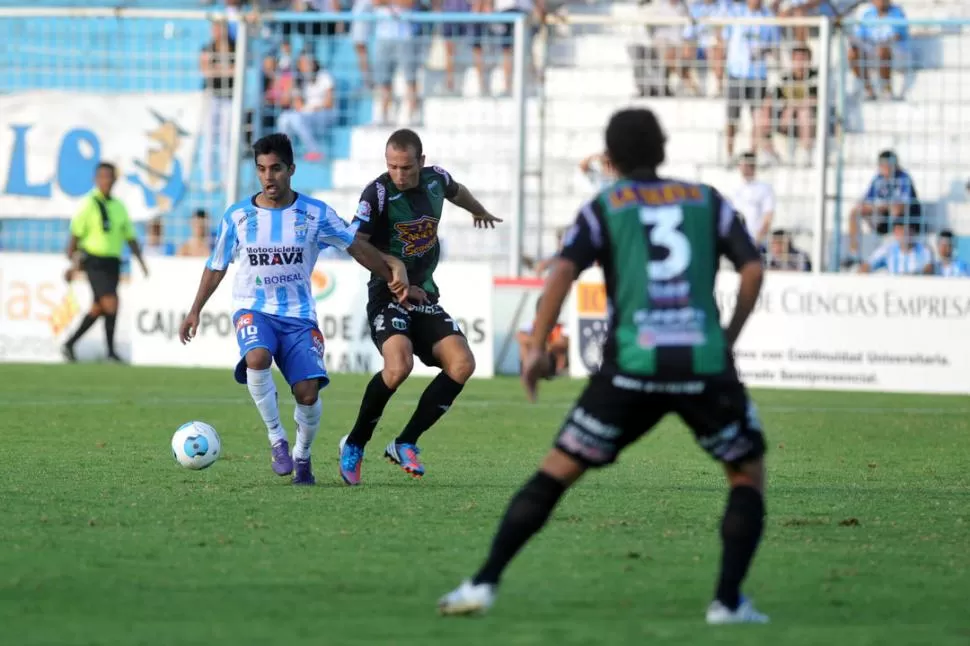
(351, 458)
(405, 456)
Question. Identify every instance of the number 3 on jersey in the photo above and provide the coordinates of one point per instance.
(664, 231)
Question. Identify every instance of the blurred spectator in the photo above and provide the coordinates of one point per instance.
(598, 171)
(453, 33)
(947, 265)
(361, 32)
(506, 33)
(557, 347)
(784, 256)
(793, 109)
(891, 196)
(877, 43)
(803, 9)
(313, 110)
(396, 47)
(755, 200)
(653, 63)
(704, 43)
(200, 244)
(217, 64)
(747, 48)
(316, 29)
(542, 265)
(155, 244)
(279, 81)
(902, 256)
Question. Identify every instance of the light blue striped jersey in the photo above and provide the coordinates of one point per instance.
(747, 45)
(953, 269)
(276, 250)
(701, 9)
(896, 260)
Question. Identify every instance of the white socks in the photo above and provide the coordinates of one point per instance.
(307, 424)
(263, 391)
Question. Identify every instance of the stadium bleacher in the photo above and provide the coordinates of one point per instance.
(587, 74)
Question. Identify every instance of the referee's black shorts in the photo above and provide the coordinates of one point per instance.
(103, 273)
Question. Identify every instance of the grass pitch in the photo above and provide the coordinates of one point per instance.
(105, 540)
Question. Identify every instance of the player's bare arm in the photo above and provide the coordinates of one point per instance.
(561, 278)
(752, 275)
(465, 200)
(368, 256)
(207, 287)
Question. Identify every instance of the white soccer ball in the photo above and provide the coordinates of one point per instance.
(196, 445)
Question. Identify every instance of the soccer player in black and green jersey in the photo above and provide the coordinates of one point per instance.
(659, 242)
(399, 213)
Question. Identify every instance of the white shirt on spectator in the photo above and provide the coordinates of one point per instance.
(755, 200)
(668, 34)
(391, 26)
(315, 94)
(514, 5)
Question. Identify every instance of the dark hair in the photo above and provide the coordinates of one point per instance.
(779, 232)
(200, 214)
(276, 143)
(946, 234)
(405, 138)
(889, 157)
(635, 140)
(802, 49)
(106, 166)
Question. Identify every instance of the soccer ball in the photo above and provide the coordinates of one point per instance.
(196, 445)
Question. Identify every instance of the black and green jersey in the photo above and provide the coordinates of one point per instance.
(659, 243)
(404, 224)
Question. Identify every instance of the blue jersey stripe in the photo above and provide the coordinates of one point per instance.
(276, 226)
(283, 301)
(306, 301)
(259, 302)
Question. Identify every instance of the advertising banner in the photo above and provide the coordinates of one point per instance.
(51, 142)
(340, 291)
(39, 310)
(828, 332)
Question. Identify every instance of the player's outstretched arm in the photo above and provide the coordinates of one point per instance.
(207, 287)
(368, 256)
(464, 199)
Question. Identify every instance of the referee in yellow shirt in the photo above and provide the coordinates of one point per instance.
(98, 232)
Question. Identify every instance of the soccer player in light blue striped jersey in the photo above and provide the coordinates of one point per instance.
(276, 236)
(902, 256)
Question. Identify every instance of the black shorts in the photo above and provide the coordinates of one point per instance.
(615, 411)
(103, 273)
(741, 91)
(425, 326)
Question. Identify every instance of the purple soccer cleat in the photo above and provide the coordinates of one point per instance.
(303, 474)
(282, 463)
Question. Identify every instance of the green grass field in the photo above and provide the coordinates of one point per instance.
(105, 540)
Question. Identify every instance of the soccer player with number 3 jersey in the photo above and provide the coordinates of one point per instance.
(659, 242)
(276, 236)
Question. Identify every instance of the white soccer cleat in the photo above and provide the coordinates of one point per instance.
(468, 599)
(718, 614)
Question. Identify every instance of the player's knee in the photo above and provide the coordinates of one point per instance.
(258, 359)
(397, 371)
(109, 305)
(462, 368)
(306, 393)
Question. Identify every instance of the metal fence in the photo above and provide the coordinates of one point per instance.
(510, 109)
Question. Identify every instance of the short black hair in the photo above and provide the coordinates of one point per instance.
(779, 232)
(889, 157)
(406, 138)
(276, 143)
(635, 140)
(804, 49)
(946, 234)
(200, 214)
(106, 166)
